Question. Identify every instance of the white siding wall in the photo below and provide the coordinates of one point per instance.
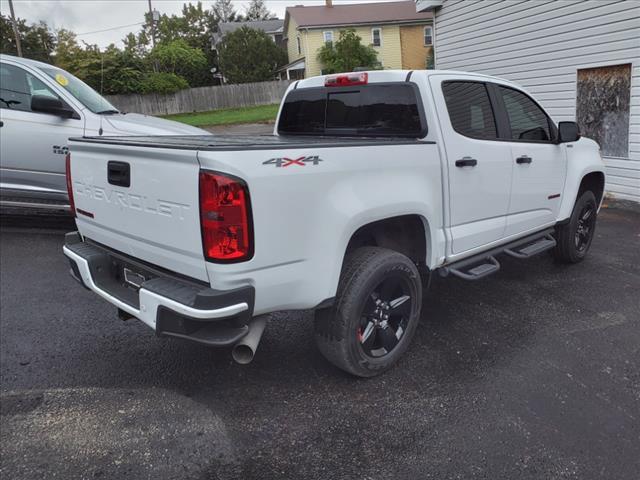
(541, 44)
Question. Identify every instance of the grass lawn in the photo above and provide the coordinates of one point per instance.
(228, 116)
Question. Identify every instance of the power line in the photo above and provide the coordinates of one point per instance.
(109, 29)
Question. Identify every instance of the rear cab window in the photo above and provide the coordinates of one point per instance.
(375, 110)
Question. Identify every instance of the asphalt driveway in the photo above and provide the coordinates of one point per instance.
(531, 373)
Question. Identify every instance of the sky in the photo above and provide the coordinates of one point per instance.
(96, 21)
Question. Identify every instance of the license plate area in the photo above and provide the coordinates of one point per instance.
(133, 279)
(122, 279)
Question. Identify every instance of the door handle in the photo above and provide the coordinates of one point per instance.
(524, 159)
(466, 162)
(1, 123)
(119, 173)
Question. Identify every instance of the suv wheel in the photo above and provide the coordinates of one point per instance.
(574, 238)
(375, 314)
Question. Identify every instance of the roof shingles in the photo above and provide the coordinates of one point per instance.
(357, 13)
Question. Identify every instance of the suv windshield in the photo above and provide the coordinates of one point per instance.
(80, 90)
(387, 110)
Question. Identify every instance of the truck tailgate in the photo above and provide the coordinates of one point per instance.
(142, 202)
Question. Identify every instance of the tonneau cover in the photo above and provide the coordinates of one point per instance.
(243, 142)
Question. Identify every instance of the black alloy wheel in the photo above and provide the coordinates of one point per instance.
(375, 313)
(585, 227)
(385, 316)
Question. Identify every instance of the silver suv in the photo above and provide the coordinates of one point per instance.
(41, 106)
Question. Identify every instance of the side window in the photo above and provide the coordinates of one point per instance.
(15, 92)
(17, 86)
(470, 109)
(527, 120)
(36, 87)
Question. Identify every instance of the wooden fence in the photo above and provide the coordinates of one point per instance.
(202, 99)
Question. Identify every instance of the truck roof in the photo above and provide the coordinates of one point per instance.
(25, 61)
(378, 76)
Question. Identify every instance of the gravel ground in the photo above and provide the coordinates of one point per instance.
(532, 373)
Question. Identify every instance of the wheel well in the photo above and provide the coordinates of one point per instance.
(593, 181)
(405, 234)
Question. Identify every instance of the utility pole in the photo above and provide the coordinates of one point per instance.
(15, 28)
(153, 25)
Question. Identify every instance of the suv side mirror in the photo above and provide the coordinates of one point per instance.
(47, 104)
(568, 132)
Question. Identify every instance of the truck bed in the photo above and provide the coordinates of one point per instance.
(244, 142)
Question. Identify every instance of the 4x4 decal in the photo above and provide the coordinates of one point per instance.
(60, 149)
(285, 162)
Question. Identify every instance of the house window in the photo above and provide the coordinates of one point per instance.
(376, 37)
(299, 45)
(428, 36)
(328, 36)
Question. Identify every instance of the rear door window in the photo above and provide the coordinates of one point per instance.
(389, 110)
(470, 109)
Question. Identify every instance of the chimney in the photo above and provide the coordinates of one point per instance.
(328, 3)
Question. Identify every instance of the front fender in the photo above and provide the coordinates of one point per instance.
(583, 158)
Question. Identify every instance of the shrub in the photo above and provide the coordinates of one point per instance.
(163, 83)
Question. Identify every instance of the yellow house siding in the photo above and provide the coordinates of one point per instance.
(414, 52)
(292, 44)
(389, 52)
(402, 45)
(315, 41)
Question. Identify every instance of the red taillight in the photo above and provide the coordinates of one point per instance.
(67, 170)
(346, 79)
(225, 218)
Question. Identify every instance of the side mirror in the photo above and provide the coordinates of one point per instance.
(568, 132)
(54, 106)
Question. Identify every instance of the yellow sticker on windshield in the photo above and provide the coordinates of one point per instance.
(62, 80)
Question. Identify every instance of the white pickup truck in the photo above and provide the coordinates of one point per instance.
(371, 182)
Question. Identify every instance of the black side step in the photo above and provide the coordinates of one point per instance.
(484, 264)
(529, 249)
(480, 268)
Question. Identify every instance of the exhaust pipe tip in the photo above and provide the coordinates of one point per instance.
(243, 354)
(244, 351)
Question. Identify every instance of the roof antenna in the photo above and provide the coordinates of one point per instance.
(101, 88)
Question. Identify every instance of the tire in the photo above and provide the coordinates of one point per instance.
(574, 238)
(354, 334)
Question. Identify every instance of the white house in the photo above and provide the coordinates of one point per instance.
(580, 59)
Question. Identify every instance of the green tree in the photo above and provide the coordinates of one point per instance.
(162, 82)
(68, 51)
(347, 54)
(431, 61)
(136, 45)
(194, 26)
(257, 10)
(179, 58)
(37, 40)
(109, 71)
(248, 55)
(223, 11)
